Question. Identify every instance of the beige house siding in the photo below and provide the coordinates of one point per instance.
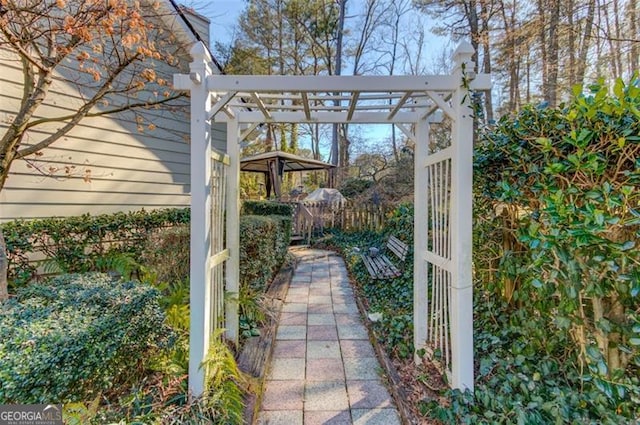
(112, 164)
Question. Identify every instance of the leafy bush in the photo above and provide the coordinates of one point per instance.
(166, 254)
(266, 208)
(353, 187)
(523, 376)
(78, 244)
(74, 336)
(400, 224)
(263, 246)
(566, 184)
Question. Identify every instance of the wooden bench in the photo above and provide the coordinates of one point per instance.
(380, 266)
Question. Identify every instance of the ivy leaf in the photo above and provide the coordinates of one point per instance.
(628, 245)
(563, 322)
(598, 215)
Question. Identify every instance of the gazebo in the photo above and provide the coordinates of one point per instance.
(275, 163)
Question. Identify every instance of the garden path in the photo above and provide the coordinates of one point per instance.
(323, 369)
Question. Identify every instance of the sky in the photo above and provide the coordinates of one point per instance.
(224, 14)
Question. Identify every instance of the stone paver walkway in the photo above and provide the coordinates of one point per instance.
(323, 369)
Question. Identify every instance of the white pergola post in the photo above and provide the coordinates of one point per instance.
(420, 236)
(232, 275)
(200, 245)
(462, 225)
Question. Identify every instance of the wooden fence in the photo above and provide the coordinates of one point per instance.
(314, 217)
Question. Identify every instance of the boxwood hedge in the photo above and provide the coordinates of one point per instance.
(263, 247)
(69, 338)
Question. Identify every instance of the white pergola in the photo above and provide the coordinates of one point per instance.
(443, 313)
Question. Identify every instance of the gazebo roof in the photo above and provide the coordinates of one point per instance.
(260, 163)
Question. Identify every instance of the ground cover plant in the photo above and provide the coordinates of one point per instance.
(76, 335)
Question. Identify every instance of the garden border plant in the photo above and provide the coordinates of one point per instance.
(82, 243)
(74, 336)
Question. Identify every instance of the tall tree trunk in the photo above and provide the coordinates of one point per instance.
(618, 37)
(571, 47)
(542, 34)
(584, 45)
(474, 29)
(4, 266)
(551, 85)
(392, 65)
(338, 71)
(512, 55)
(634, 27)
(486, 59)
(612, 47)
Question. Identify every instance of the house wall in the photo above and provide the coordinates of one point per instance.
(105, 164)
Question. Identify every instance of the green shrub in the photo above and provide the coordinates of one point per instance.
(166, 254)
(400, 223)
(566, 184)
(266, 208)
(263, 247)
(78, 244)
(74, 336)
(523, 376)
(354, 187)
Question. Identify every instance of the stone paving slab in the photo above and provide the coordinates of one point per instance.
(325, 417)
(284, 395)
(360, 368)
(323, 368)
(290, 348)
(281, 417)
(323, 350)
(287, 368)
(294, 307)
(290, 318)
(291, 332)
(375, 417)
(369, 394)
(322, 333)
(325, 395)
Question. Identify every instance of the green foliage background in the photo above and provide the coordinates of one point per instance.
(83, 243)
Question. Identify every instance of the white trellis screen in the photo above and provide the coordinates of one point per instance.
(442, 225)
(219, 166)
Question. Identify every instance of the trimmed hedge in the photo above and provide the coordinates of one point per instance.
(166, 253)
(263, 247)
(67, 339)
(75, 244)
(266, 208)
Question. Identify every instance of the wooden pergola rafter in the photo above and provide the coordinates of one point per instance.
(443, 179)
(361, 99)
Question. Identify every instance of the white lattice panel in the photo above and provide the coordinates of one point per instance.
(438, 256)
(219, 254)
